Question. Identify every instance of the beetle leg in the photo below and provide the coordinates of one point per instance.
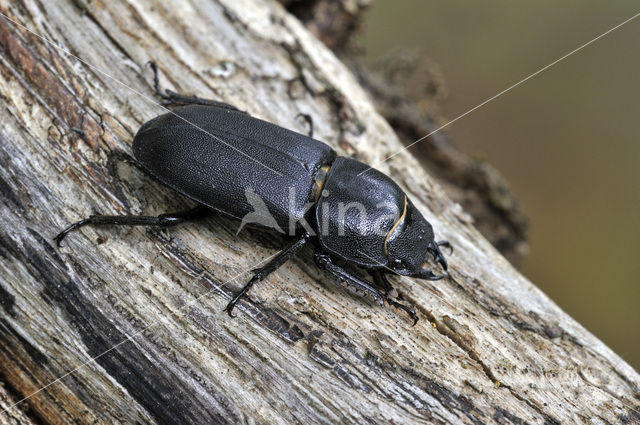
(381, 281)
(309, 121)
(116, 157)
(434, 249)
(162, 220)
(325, 262)
(410, 311)
(282, 257)
(113, 161)
(446, 244)
(172, 98)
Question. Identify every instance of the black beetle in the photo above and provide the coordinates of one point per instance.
(251, 170)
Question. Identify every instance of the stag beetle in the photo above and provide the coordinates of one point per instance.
(254, 171)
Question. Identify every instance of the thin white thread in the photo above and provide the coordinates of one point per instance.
(506, 90)
(130, 337)
(136, 92)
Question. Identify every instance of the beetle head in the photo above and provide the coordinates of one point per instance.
(410, 244)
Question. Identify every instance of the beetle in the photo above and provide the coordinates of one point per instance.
(235, 164)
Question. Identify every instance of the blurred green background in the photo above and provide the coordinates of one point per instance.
(566, 140)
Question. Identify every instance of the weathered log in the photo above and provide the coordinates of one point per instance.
(332, 21)
(126, 325)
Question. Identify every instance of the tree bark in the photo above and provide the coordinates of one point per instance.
(126, 325)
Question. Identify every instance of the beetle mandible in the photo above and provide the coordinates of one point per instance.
(207, 150)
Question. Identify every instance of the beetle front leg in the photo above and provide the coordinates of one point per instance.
(162, 220)
(325, 262)
(262, 272)
(381, 281)
(434, 249)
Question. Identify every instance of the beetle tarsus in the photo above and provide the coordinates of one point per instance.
(410, 311)
(229, 308)
(156, 80)
(60, 236)
(446, 244)
(380, 279)
(116, 157)
(429, 275)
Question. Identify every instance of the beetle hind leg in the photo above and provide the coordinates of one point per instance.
(171, 98)
(162, 220)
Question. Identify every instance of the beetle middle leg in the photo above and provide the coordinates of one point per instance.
(325, 262)
(309, 122)
(162, 220)
(170, 97)
(262, 272)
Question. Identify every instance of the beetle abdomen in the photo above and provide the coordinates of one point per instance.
(227, 160)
